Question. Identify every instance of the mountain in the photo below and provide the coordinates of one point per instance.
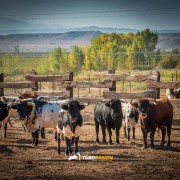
(46, 41)
(168, 41)
(12, 26)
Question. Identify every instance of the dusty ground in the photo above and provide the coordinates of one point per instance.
(18, 160)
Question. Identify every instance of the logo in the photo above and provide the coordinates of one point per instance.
(77, 156)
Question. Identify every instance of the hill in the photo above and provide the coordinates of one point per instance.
(48, 41)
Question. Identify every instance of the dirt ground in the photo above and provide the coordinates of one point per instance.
(18, 160)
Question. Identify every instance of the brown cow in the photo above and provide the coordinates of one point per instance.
(155, 114)
(27, 94)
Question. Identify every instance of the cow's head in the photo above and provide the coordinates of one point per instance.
(114, 106)
(73, 110)
(131, 112)
(26, 110)
(143, 107)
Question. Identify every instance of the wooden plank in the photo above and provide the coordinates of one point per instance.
(85, 84)
(129, 95)
(130, 78)
(163, 85)
(175, 102)
(17, 85)
(45, 78)
(53, 93)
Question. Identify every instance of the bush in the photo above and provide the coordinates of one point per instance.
(168, 62)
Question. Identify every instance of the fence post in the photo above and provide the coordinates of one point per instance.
(70, 88)
(158, 80)
(114, 82)
(36, 82)
(1, 80)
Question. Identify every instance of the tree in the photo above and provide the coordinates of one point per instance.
(57, 59)
(76, 59)
(149, 41)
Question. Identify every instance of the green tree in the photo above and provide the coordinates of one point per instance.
(57, 59)
(76, 58)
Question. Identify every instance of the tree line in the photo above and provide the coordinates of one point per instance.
(107, 51)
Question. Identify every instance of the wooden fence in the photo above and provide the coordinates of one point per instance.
(152, 83)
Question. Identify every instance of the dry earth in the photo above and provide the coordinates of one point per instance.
(18, 160)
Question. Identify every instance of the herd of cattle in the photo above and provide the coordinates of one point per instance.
(64, 115)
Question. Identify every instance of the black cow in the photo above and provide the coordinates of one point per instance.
(108, 114)
(155, 114)
(70, 122)
(4, 110)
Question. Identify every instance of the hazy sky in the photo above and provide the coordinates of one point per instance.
(137, 14)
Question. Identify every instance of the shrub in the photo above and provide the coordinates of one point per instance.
(168, 62)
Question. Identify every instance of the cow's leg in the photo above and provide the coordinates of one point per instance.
(24, 129)
(144, 138)
(133, 129)
(76, 144)
(152, 138)
(55, 135)
(68, 146)
(4, 129)
(163, 131)
(103, 128)
(117, 135)
(129, 130)
(97, 130)
(125, 132)
(59, 142)
(36, 137)
(42, 133)
(169, 135)
(33, 136)
(110, 135)
(72, 140)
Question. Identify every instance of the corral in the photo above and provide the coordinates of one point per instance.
(124, 161)
(20, 161)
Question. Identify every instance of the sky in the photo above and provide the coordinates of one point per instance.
(134, 14)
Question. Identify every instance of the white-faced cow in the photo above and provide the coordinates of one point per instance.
(70, 123)
(155, 114)
(108, 114)
(130, 116)
(37, 115)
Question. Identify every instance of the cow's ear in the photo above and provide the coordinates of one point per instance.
(81, 107)
(64, 106)
(107, 104)
(135, 104)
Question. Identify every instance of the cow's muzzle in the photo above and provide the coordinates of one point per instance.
(22, 118)
(143, 115)
(73, 120)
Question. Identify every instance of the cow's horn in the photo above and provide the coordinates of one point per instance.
(131, 101)
(85, 104)
(20, 93)
(31, 104)
(12, 104)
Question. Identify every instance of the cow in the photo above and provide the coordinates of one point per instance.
(27, 94)
(4, 117)
(130, 117)
(155, 114)
(108, 114)
(70, 123)
(173, 93)
(37, 115)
